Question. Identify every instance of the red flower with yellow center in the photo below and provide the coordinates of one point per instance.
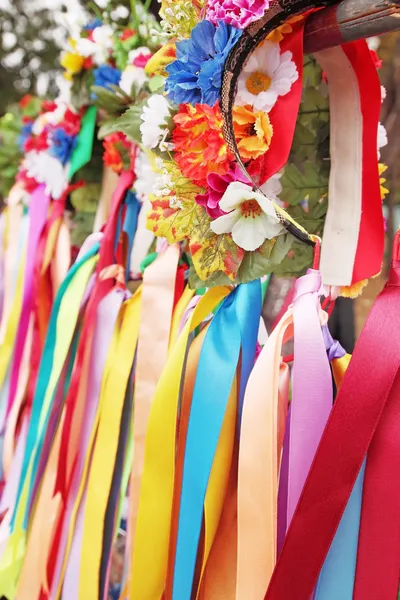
(200, 147)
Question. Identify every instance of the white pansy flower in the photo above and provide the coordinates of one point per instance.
(251, 217)
(267, 75)
(382, 138)
(155, 116)
(100, 45)
(47, 169)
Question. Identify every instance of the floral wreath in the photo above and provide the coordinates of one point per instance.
(235, 202)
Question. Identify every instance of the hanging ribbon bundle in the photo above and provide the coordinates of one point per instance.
(238, 476)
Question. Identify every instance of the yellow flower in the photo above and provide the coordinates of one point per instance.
(354, 290)
(253, 131)
(382, 180)
(72, 63)
(163, 57)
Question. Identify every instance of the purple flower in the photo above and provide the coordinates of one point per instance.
(239, 13)
(217, 185)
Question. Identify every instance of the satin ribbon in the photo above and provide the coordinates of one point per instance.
(356, 414)
(158, 298)
(106, 317)
(216, 371)
(312, 402)
(41, 201)
(105, 449)
(150, 552)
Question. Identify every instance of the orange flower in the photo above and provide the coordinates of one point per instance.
(384, 191)
(200, 148)
(253, 131)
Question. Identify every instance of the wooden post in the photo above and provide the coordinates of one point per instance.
(350, 20)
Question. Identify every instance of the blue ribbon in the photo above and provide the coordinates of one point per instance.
(34, 443)
(131, 221)
(216, 370)
(248, 311)
(336, 581)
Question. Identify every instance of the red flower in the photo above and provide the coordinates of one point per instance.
(200, 147)
(48, 106)
(25, 100)
(37, 143)
(114, 145)
(142, 59)
(71, 122)
(126, 34)
(88, 63)
(30, 183)
(27, 120)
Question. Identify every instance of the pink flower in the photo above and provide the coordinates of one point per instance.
(239, 13)
(217, 185)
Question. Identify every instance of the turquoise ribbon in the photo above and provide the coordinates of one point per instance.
(336, 581)
(34, 443)
(248, 311)
(215, 374)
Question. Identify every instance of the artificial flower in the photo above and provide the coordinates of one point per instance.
(354, 290)
(216, 187)
(239, 13)
(272, 188)
(37, 142)
(279, 33)
(155, 116)
(106, 75)
(127, 34)
(63, 145)
(251, 217)
(253, 131)
(384, 191)
(99, 46)
(116, 149)
(266, 75)
(25, 101)
(199, 144)
(146, 176)
(382, 138)
(179, 17)
(163, 57)
(195, 76)
(140, 56)
(132, 75)
(72, 62)
(29, 183)
(92, 25)
(48, 170)
(71, 122)
(24, 134)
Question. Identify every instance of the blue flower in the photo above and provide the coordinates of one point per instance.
(105, 76)
(62, 145)
(25, 134)
(196, 74)
(93, 24)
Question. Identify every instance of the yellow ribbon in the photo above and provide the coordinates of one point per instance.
(105, 449)
(150, 551)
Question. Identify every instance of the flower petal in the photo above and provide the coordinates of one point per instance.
(225, 223)
(235, 194)
(248, 233)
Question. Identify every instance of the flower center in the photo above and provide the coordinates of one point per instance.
(250, 208)
(258, 82)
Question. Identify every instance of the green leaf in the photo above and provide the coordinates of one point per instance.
(156, 83)
(107, 128)
(85, 199)
(265, 259)
(297, 261)
(129, 123)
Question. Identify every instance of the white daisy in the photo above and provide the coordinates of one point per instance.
(146, 177)
(251, 217)
(99, 48)
(267, 75)
(48, 170)
(155, 116)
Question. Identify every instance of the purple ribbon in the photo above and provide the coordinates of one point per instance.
(312, 385)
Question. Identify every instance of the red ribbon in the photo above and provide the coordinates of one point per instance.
(358, 411)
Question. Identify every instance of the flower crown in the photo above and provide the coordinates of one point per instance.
(242, 172)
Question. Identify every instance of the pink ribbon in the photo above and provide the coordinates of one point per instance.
(312, 385)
